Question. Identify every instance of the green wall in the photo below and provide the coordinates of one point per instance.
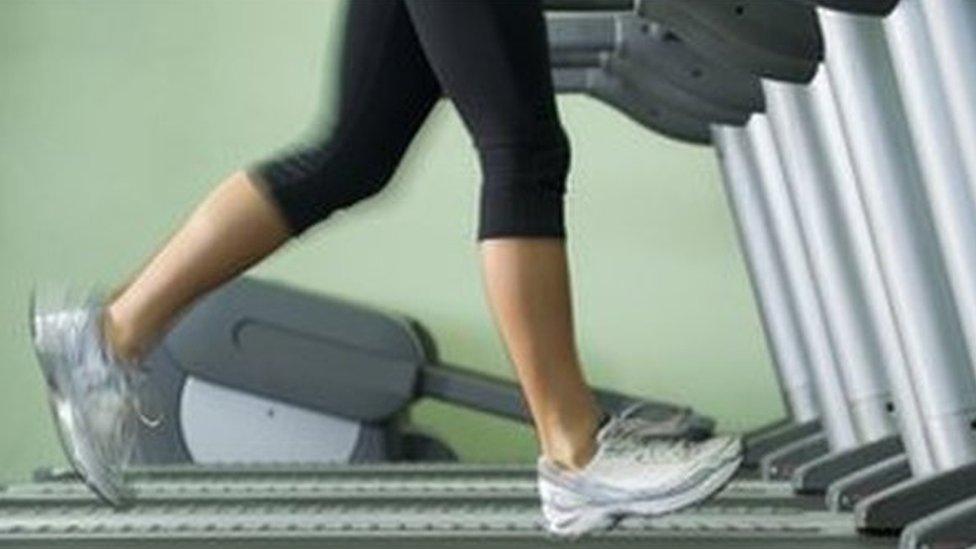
(117, 116)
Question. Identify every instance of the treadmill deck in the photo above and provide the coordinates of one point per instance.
(345, 506)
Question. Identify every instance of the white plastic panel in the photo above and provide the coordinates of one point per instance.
(220, 424)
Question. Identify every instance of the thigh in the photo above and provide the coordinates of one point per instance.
(491, 58)
(386, 86)
(386, 89)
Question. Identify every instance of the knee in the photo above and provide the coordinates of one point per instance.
(523, 191)
(312, 183)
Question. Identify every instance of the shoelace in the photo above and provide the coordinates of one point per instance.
(629, 427)
(631, 435)
(655, 450)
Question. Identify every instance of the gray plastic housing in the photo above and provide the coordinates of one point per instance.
(306, 349)
(315, 352)
(656, 63)
(771, 39)
(654, 113)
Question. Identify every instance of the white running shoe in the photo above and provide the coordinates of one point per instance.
(634, 472)
(91, 394)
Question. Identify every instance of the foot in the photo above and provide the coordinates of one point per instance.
(634, 472)
(91, 394)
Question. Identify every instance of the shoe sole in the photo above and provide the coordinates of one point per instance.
(70, 445)
(701, 493)
(603, 517)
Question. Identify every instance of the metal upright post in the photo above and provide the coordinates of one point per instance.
(952, 31)
(767, 276)
(950, 197)
(836, 241)
(828, 248)
(842, 183)
(951, 26)
(838, 425)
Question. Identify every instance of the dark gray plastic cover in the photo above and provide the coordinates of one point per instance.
(651, 112)
(660, 51)
(769, 38)
(655, 61)
(864, 7)
(588, 5)
(306, 349)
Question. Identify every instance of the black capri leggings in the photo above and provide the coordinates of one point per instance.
(399, 57)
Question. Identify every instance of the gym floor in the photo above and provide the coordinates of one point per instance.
(118, 116)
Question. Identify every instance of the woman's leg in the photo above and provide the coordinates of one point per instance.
(527, 281)
(491, 58)
(232, 229)
(386, 92)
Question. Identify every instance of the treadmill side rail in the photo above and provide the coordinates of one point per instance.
(896, 507)
(816, 476)
(844, 494)
(759, 446)
(781, 464)
(953, 526)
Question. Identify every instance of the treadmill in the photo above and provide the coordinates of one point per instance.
(672, 58)
(259, 519)
(283, 510)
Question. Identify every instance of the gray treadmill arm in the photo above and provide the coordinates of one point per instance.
(504, 398)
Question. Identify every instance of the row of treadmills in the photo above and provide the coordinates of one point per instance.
(846, 135)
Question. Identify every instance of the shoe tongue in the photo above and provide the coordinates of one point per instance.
(612, 429)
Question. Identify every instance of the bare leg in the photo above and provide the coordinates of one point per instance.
(527, 282)
(232, 229)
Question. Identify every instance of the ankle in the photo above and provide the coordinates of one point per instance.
(572, 446)
(119, 340)
(574, 456)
